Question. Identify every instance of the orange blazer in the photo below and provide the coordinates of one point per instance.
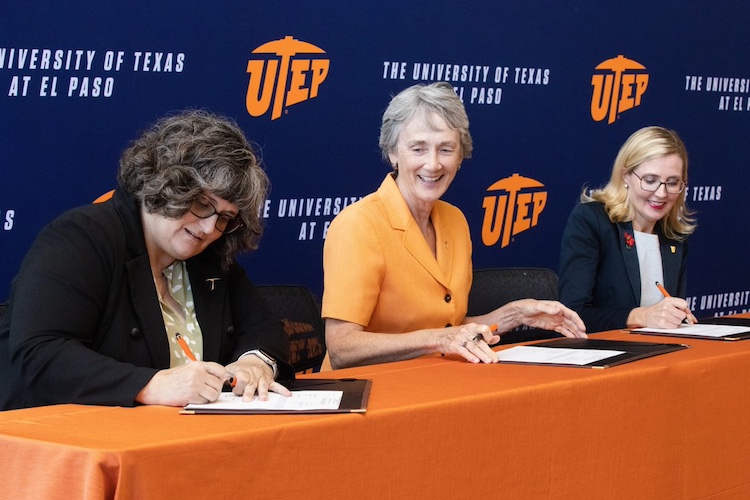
(380, 273)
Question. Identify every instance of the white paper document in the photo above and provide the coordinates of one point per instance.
(298, 401)
(698, 330)
(556, 355)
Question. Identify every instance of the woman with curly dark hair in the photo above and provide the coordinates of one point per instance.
(139, 300)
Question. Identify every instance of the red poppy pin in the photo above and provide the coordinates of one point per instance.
(629, 241)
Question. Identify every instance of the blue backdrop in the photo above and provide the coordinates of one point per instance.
(552, 89)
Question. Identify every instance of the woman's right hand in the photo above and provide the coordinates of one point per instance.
(195, 382)
(667, 313)
(471, 341)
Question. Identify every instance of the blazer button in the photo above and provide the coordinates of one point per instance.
(447, 297)
(135, 333)
(230, 329)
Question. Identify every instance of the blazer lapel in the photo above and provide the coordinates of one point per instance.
(671, 257)
(416, 245)
(209, 286)
(443, 239)
(401, 219)
(630, 257)
(142, 294)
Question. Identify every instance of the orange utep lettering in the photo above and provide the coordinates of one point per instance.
(618, 91)
(257, 103)
(283, 72)
(508, 215)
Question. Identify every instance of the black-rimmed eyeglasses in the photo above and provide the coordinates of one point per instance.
(652, 183)
(203, 209)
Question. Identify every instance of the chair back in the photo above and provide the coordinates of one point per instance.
(299, 311)
(493, 288)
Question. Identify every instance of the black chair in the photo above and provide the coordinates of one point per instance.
(492, 288)
(299, 311)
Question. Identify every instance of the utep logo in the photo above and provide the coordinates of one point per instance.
(512, 207)
(287, 80)
(617, 90)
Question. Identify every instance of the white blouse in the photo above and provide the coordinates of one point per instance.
(649, 261)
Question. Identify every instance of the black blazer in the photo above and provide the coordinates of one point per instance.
(599, 273)
(84, 323)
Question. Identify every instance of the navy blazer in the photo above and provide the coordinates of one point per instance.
(84, 323)
(599, 272)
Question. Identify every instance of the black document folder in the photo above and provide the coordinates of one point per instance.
(356, 391)
(354, 399)
(718, 328)
(631, 351)
(730, 321)
(725, 320)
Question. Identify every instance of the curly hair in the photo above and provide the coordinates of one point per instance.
(642, 145)
(438, 97)
(185, 155)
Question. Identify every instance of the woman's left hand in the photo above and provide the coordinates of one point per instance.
(550, 315)
(253, 376)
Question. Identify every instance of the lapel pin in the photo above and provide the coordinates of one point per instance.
(673, 248)
(214, 280)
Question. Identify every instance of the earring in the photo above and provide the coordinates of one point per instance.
(626, 186)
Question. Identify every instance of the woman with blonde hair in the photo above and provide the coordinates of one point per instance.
(626, 237)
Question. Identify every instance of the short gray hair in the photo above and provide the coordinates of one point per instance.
(438, 97)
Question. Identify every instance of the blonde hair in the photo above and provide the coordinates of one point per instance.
(645, 144)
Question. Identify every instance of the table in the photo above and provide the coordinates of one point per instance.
(673, 426)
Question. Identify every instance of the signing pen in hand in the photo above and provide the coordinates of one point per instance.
(493, 328)
(231, 381)
(662, 290)
(185, 347)
(666, 295)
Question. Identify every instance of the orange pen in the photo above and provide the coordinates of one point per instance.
(662, 289)
(666, 295)
(185, 347)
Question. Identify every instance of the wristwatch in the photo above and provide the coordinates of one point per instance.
(265, 358)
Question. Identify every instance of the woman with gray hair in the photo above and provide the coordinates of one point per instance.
(397, 264)
(139, 300)
(626, 237)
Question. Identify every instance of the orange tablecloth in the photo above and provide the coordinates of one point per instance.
(668, 427)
